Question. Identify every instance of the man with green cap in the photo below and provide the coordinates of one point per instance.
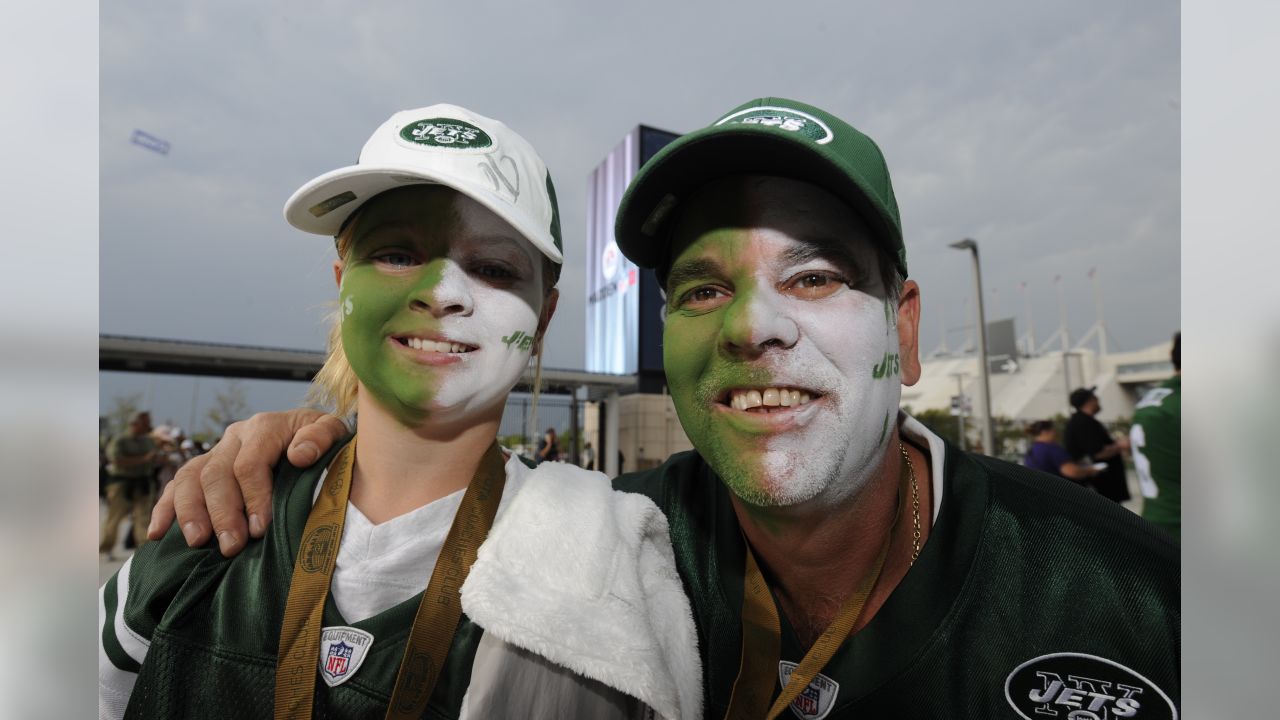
(842, 560)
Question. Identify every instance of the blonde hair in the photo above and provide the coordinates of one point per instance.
(334, 386)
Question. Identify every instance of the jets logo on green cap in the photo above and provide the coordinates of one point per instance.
(783, 119)
(446, 132)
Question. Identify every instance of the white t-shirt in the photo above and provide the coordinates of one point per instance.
(380, 566)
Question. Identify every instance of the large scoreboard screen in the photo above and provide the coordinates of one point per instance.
(624, 305)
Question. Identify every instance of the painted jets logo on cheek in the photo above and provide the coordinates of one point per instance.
(518, 340)
(1075, 686)
(889, 366)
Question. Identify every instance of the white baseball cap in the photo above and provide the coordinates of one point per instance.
(446, 145)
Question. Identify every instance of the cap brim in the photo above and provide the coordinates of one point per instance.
(312, 207)
(693, 160)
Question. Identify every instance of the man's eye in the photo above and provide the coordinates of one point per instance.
(702, 298)
(813, 285)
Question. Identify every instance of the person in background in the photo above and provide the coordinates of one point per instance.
(1088, 441)
(1046, 455)
(131, 459)
(588, 456)
(167, 439)
(1156, 441)
(548, 447)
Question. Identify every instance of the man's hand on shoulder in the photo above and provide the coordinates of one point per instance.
(226, 492)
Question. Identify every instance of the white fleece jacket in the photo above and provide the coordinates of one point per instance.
(584, 576)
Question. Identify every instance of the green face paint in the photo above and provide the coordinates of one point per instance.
(373, 303)
(431, 276)
(755, 313)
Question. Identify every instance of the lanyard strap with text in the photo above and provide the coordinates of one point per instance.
(438, 612)
(761, 641)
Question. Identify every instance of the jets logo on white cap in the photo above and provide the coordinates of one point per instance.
(446, 132)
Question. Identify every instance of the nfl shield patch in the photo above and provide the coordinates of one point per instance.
(342, 650)
(815, 701)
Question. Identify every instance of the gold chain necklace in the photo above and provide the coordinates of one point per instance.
(915, 505)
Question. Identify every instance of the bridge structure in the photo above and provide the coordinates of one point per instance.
(124, 353)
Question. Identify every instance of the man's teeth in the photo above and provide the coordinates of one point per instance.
(770, 397)
(436, 346)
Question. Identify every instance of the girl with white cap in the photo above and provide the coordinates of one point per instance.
(547, 594)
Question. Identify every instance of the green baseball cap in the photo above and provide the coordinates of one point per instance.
(768, 136)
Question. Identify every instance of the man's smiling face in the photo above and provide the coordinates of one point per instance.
(782, 344)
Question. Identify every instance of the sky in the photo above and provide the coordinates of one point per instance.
(1048, 132)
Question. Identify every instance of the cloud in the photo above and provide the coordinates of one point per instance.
(1043, 131)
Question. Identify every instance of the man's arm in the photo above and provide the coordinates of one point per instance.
(227, 491)
(119, 459)
(1116, 447)
(1076, 471)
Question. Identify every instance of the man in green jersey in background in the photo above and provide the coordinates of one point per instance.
(1156, 439)
(842, 560)
(131, 458)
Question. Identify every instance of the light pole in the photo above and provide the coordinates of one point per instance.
(988, 425)
(960, 405)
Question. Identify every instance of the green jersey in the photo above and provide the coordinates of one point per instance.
(212, 627)
(1032, 597)
(572, 609)
(1156, 440)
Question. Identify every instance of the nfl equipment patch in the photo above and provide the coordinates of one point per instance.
(342, 650)
(1084, 687)
(815, 701)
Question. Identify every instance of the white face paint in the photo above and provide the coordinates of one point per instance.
(754, 306)
(845, 356)
(501, 326)
(441, 301)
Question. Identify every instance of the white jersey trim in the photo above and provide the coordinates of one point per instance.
(134, 644)
(115, 685)
(916, 430)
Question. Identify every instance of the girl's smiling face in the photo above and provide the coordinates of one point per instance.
(441, 301)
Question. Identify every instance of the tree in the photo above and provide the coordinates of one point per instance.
(511, 441)
(123, 408)
(229, 405)
(941, 422)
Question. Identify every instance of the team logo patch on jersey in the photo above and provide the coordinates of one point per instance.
(446, 133)
(783, 119)
(815, 701)
(1076, 686)
(342, 651)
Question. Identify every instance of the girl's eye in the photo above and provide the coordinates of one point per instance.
(813, 285)
(491, 271)
(396, 259)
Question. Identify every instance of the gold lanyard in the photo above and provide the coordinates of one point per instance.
(761, 639)
(438, 612)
